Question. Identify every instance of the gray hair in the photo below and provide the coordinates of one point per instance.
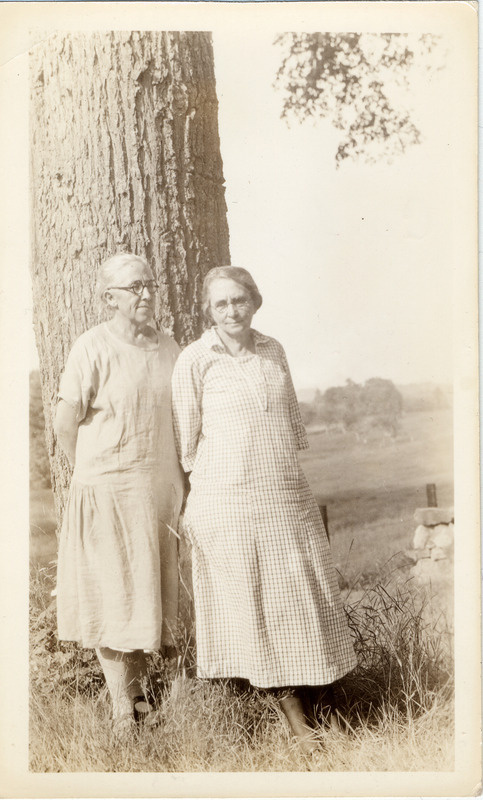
(237, 274)
(108, 271)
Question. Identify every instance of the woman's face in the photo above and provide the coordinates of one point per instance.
(138, 309)
(231, 306)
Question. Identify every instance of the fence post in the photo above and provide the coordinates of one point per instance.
(431, 495)
(325, 519)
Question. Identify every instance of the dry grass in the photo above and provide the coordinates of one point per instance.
(396, 707)
(209, 728)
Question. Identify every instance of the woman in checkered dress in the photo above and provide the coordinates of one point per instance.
(267, 602)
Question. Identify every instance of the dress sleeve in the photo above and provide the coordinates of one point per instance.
(187, 394)
(77, 381)
(294, 410)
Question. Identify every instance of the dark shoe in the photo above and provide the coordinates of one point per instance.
(169, 652)
(145, 712)
(142, 706)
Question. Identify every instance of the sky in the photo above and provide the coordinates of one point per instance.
(355, 264)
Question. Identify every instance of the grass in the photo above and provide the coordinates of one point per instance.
(212, 729)
(43, 541)
(396, 707)
(372, 489)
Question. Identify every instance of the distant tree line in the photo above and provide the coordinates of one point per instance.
(376, 404)
(430, 399)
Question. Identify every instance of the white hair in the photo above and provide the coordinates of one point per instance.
(108, 271)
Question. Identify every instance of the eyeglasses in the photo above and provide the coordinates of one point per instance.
(138, 287)
(238, 305)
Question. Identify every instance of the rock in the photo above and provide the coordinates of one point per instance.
(421, 536)
(434, 516)
(415, 555)
(438, 553)
(422, 570)
(429, 571)
(443, 536)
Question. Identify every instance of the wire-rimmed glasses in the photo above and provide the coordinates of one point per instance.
(138, 287)
(221, 307)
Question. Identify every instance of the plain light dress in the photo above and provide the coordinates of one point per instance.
(267, 601)
(117, 566)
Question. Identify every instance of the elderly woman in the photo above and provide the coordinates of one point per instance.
(117, 569)
(267, 601)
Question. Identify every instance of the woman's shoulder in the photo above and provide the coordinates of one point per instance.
(267, 341)
(90, 339)
(167, 340)
(86, 351)
(195, 358)
(167, 344)
(194, 351)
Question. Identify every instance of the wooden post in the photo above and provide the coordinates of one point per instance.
(325, 519)
(431, 495)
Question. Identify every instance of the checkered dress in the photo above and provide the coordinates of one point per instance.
(267, 602)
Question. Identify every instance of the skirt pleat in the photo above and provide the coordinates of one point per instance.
(117, 578)
(267, 601)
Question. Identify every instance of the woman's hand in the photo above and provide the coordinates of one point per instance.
(66, 428)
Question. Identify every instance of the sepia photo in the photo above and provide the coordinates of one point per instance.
(245, 240)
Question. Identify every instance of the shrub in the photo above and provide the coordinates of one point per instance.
(405, 660)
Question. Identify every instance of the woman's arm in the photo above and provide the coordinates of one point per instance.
(66, 428)
(186, 395)
(298, 426)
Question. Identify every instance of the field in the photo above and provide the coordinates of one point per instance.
(396, 708)
(372, 489)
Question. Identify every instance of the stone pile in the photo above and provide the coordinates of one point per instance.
(433, 545)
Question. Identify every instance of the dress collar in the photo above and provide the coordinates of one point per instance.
(212, 340)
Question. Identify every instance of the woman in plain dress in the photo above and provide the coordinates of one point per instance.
(267, 602)
(117, 569)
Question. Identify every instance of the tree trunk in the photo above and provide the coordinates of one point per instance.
(125, 156)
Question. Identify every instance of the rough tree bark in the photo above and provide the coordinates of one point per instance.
(125, 156)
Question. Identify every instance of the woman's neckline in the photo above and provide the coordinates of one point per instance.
(153, 345)
(243, 356)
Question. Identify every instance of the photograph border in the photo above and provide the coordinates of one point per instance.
(22, 24)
